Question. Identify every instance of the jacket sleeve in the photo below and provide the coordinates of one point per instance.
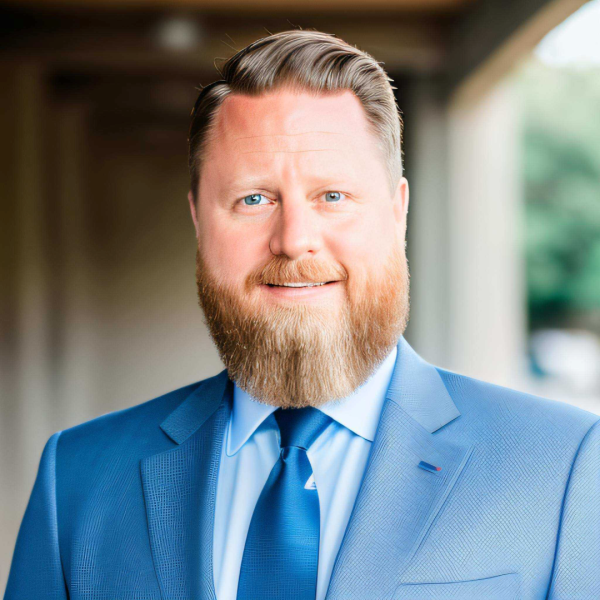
(576, 572)
(36, 571)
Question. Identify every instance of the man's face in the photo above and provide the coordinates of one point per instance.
(294, 189)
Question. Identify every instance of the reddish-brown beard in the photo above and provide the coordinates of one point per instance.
(306, 354)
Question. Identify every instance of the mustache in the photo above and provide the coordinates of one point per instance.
(281, 269)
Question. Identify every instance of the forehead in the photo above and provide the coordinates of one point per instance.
(291, 121)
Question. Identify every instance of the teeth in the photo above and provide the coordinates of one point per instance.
(302, 284)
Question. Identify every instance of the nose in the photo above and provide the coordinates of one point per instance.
(296, 230)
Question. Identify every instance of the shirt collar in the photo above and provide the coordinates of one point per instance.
(359, 412)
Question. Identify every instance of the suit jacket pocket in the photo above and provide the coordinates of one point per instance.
(498, 587)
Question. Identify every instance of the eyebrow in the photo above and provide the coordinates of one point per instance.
(288, 151)
(248, 184)
(251, 137)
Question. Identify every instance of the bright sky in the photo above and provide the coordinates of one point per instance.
(576, 41)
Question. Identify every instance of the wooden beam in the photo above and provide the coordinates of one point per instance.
(403, 44)
(394, 6)
(492, 37)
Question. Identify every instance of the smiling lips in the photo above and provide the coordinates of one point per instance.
(301, 284)
(297, 285)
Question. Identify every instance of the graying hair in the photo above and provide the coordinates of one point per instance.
(307, 60)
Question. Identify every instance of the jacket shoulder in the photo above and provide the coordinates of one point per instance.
(135, 429)
(487, 403)
(150, 410)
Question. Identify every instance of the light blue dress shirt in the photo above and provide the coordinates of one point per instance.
(338, 458)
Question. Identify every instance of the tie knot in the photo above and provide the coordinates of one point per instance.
(300, 426)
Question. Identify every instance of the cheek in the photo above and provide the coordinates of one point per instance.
(231, 255)
(363, 245)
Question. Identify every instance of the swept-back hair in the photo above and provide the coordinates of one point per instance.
(307, 60)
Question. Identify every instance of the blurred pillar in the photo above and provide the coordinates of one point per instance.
(485, 267)
(464, 250)
(74, 328)
(26, 393)
(428, 234)
(27, 290)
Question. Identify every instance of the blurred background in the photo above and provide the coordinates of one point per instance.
(98, 307)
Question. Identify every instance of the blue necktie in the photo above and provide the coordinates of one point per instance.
(282, 548)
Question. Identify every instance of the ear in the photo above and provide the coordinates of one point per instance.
(400, 201)
(194, 213)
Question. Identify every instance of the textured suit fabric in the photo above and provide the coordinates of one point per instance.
(123, 505)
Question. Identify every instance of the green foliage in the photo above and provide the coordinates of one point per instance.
(561, 126)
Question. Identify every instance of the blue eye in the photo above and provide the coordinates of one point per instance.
(333, 196)
(252, 199)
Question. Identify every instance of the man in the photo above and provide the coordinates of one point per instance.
(327, 460)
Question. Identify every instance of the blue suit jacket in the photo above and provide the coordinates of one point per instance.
(123, 505)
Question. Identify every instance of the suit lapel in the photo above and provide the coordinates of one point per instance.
(395, 507)
(180, 489)
(398, 501)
